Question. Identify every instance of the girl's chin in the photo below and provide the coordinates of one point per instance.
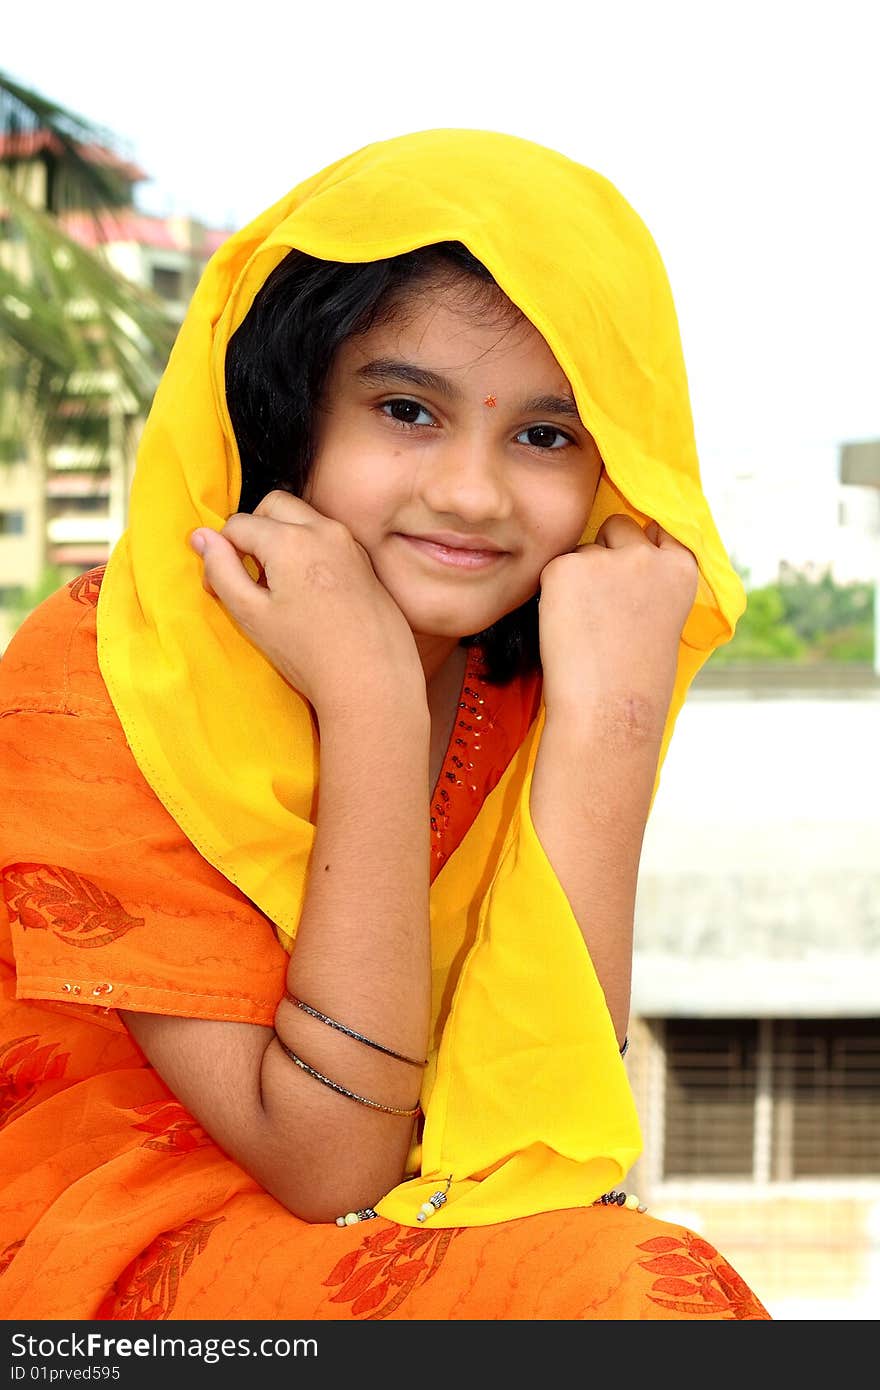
(449, 632)
(464, 622)
(450, 619)
(452, 632)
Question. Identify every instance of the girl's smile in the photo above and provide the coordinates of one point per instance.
(459, 507)
(462, 555)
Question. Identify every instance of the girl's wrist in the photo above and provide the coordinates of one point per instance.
(370, 696)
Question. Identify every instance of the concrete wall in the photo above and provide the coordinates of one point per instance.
(760, 874)
(760, 896)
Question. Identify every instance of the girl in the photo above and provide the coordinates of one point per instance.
(329, 795)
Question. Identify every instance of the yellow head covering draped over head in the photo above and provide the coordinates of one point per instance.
(526, 1098)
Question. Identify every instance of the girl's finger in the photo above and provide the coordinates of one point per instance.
(252, 534)
(224, 570)
(618, 530)
(666, 541)
(286, 506)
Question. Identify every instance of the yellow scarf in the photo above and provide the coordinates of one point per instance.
(523, 1119)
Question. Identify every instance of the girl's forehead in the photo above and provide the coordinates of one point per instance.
(454, 333)
(457, 292)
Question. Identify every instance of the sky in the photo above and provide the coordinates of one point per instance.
(745, 134)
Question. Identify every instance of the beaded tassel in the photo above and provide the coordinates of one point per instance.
(620, 1199)
(433, 1203)
(438, 1199)
(353, 1217)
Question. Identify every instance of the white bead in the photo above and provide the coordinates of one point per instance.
(426, 1209)
(340, 1221)
(352, 1218)
(632, 1202)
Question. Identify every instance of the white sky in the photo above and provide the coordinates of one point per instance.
(745, 132)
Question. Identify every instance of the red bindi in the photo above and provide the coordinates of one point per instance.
(489, 400)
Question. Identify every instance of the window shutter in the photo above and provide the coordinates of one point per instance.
(827, 1093)
(711, 1086)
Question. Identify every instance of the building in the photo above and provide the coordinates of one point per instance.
(63, 508)
(798, 512)
(755, 1042)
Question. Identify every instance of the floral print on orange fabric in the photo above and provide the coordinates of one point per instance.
(45, 897)
(172, 1129)
(695, 1279)
(8, 1254)
(24, 1064)
(86, 587)
(386, 1267)
(147, 1288)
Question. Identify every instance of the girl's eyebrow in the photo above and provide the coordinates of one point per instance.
(389, 370)
(551, 405)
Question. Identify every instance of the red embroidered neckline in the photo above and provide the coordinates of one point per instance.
(460, 786)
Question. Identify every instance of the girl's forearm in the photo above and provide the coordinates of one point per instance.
(590, 797)
(362, 957)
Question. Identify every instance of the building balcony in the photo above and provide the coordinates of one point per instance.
(79, 483)
(78, 557)
(77, 458)
(89, 530)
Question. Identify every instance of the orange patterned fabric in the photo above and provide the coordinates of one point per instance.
(115, 1203)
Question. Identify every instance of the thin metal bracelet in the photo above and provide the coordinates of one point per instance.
(350, 1032)
(625, 1049)
(342, 1090)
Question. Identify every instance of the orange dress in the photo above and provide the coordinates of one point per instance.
(115, 1203)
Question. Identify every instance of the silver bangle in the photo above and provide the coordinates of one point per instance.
(350, 1032)
(343, 1090)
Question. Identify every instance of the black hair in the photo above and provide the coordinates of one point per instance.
(277, 364)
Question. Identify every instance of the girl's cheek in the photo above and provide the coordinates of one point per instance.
(555, 524)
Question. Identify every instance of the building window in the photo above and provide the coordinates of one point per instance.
(168, 283)
(97, 503)
(827, 1098)
(11, 523)
(711, 1073)
(770, 1100)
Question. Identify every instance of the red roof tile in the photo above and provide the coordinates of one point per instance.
(141, 228)
(25, 144)
(125, 225)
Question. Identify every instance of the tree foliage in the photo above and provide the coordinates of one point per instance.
(73, 330)
(804, 618)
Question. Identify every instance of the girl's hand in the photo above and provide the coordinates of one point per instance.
(318, 611)
(610, 618)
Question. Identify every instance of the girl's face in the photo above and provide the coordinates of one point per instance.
(450, 423)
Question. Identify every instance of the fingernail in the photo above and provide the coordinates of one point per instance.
(199, 541)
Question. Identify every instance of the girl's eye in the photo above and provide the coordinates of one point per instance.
(407, 412)
(543, 437)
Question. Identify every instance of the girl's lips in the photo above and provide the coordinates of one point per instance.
(457, 558)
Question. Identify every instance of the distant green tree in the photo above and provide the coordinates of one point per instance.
(72, 327)
(51, 579)
(762, 633)
(818, 606)
(804, 618)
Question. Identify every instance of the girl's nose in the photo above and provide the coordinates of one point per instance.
(467, 479)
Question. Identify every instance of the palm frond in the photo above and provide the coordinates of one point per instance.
(90, 171)
(70, 323)
(74, 332)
